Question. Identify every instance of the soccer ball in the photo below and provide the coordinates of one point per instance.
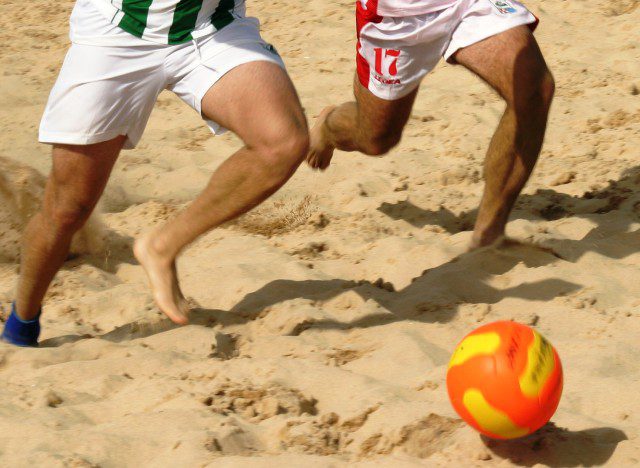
(505, 380)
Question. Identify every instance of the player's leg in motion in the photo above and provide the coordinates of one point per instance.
(512, 64)
(369, 125)
(258, 102)
(77, 180)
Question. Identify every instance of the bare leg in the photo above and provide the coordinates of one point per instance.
(78, 177)
(512, 64)
(259, 103)
(370, 125)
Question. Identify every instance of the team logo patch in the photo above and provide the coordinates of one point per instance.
(504, 7)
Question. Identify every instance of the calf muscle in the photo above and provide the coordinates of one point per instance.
(259, 103)
(78, 177)
(512, 64)
(370, 125)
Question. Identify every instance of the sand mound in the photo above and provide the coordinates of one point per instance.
(21, 192)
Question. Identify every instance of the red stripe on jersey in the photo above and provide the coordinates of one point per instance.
(364, 17)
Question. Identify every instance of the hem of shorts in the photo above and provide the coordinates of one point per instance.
(390, 96)
(449, 54)
(82, 139)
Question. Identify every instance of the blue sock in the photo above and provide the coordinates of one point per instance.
(21, 332)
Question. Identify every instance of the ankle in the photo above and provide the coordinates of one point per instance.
(159, 247)
(24, 314)
(487, 235)
(325, 129)
(21, 332)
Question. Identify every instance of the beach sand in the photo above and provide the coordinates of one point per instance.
(324, 320)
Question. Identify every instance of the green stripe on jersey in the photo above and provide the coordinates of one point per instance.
(222, 16)
(135, 12)
(184, 20)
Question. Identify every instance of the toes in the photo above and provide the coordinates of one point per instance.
(178, 317)
(324, 164)
(172, 310)
(313, 162)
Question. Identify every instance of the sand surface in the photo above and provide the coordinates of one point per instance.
(325, 319)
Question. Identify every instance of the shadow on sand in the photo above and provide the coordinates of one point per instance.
(466, 277)
(435, 296)
(550, 205)
(559, 447)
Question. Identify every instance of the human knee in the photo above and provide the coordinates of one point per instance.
(68, 215)
(536, 93)
(546, 88)
(283, 155)
(378, 145)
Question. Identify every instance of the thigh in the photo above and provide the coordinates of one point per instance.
(257, 101)
(508, 61)
(79, 174)
(381, 118)
(393, 56)
(239, 83)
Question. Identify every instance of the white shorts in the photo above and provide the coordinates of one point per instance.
(394, 54)
(104, 91)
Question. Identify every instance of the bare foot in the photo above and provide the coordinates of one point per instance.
(163, 278)
(320, 151)
(487, 238)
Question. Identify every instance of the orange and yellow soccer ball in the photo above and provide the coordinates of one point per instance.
(505, 380)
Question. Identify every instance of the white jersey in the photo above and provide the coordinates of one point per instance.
(169, 21)
(402, 8)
